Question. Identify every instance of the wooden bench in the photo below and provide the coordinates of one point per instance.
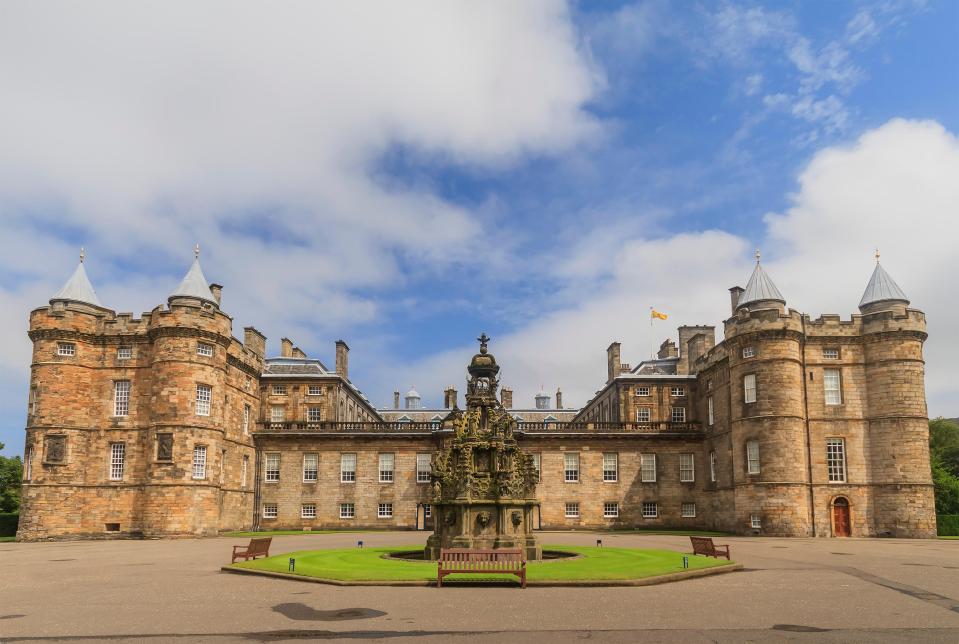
(705, 546)
(467, 560)
(258, 547)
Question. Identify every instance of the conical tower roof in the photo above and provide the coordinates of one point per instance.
(760, 287)
(881, 288)
(194, 284)
(78, 288)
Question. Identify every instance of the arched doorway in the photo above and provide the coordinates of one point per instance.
(841, 526)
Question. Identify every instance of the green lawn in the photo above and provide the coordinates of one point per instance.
(3, 539)
(948, 537)
(674, 533)
(271, 533)
(367, 564)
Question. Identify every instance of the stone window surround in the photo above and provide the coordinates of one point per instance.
(642, 391)
(644, 414)
(311, 471)
(347, 511)
(687, 510)
(647, 468)
(202, 405)
(826, 374)
(118, 453)
(124, 353)
(278, 389)
(687, 468)
(308, 511)
(755, 521)
(199, 462)
(831, 353)
(571, 510)
(571, 467)
(387, 467)
(677, 414)
(423, 472)
(384, 510)
(270, 510)
(271, 474)
(204, 349)
(710, 411)
(712, 466)
(650, 510)
(611, 510)
(753, 457)
(67, 349)
(749, 352)
(836, 459)
(747, 379)
(610, 467)
(677, 392)
(121, 398)
(348, 467)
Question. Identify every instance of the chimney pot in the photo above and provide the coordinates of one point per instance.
(217, 290)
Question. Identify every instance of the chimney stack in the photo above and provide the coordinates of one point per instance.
(217, 290)
(449, 397)
(298, 353)
(286, 348)
(667, 350)
(254, 340)
(506, 397)
(396, 399)
(559, 398)
(342, 360)
(612, 361)
(734, 294)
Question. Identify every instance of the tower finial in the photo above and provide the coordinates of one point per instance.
(757, 255)
(83, 254)
(196, 251)
(877, 254)
(483, 339)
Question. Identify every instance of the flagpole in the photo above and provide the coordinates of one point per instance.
(650, 333)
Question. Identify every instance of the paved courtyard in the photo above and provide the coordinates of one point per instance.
(795, 590)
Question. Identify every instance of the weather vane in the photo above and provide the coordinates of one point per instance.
(877, 254)
(757, 255)
(83, 254)
(196, 251)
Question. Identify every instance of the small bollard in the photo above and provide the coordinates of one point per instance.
(599, 543)
(359, 544)
(685, 561)
(292, 564)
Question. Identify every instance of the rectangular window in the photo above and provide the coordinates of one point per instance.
(677, 391)
(832, 384)
(688, 510)
(749, 352)
(610, 467)
(279, 390)
(121, 398)
(204, 396)
(643, 414)
(204, 349)
(752, 457)
(199, 461)
(572, 510)
(678, 415)
(423, 468)
(347, 468)
(246, 419)
(427, 511)
(386, 468)
(28, 464)
(311, 464)
(709, 384)
(709, 409)
(308, 511)
(314, 414)
(642, 391)
(243, 470)
(347, 511)
(117, 457)
(687, 468)
(124, 353)
(314, 390)
(755, 521)
(749, 388)
(277, 413)
(830, 354)
(647, 467)
(836, 460)
(610, 510)
(538, 464)
(650, 510)
(384, 511)
(66, 349)
(571, 468)
(712, 466)
(272, 469)
(270, 511)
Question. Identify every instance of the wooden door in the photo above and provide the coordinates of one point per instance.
(840, 517)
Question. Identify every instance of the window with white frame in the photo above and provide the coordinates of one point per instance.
(832, 383)
(386, 467)
(314, 390)
(836, 460)
(121, 397)
(749, 388)
(571, 468)
(537, 463)
(199, 461)
(752, 457)
(830, 353)
(687, 468)
(643, 414)
(124, 353)
(678, 415)
(277, 413)
(384, 511)
(749, 352)
(311, 466)
(610, 510)
(610, 467)
(244, 468)
(688, 510)
(204, 397)
(314, 414)
(709, 410)
(755, 521)
(650, 509)
(347, 468)
(66, 349)
(204, 349)
(270, 510)
(308, 511)
(279, 390)
(647, 468)
(246, 419)
(118, 452)
(347, 511)
(572, 509)
(712, 466)
(423, 468)
(642, 391)
(272, 469)
(677, 392)
(427, 511)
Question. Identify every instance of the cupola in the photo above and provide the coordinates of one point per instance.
(542, 398)
(413, 399)
(760, 291)
(882, 292)
(78, 288)
(194, 285)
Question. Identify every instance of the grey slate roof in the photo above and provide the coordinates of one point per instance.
(194, 284)
(666, 366)
(760, 288)
(881, 288)
(78, 289)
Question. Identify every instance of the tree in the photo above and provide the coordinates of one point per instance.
(944, 457)
(11, 474)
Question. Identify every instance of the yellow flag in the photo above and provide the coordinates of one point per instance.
(653, 313)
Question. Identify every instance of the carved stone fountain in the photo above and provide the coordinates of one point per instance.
(483, 484)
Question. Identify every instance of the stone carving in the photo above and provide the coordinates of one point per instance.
(56, 449)
(164, 447)
(483, 518)
(516, 518)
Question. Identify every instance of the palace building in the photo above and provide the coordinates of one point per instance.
(168, 425)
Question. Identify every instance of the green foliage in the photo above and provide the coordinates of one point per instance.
(11, 474)
(8, 524)
(948, 525)
(944, 457)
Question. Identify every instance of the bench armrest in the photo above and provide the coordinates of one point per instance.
(243, 548)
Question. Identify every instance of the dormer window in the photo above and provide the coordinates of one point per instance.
(204, 349)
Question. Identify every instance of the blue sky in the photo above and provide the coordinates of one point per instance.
(541, 171)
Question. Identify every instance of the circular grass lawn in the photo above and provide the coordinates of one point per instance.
(592, 564)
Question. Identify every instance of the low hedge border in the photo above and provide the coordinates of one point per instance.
(948, 525)
(8, 523)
